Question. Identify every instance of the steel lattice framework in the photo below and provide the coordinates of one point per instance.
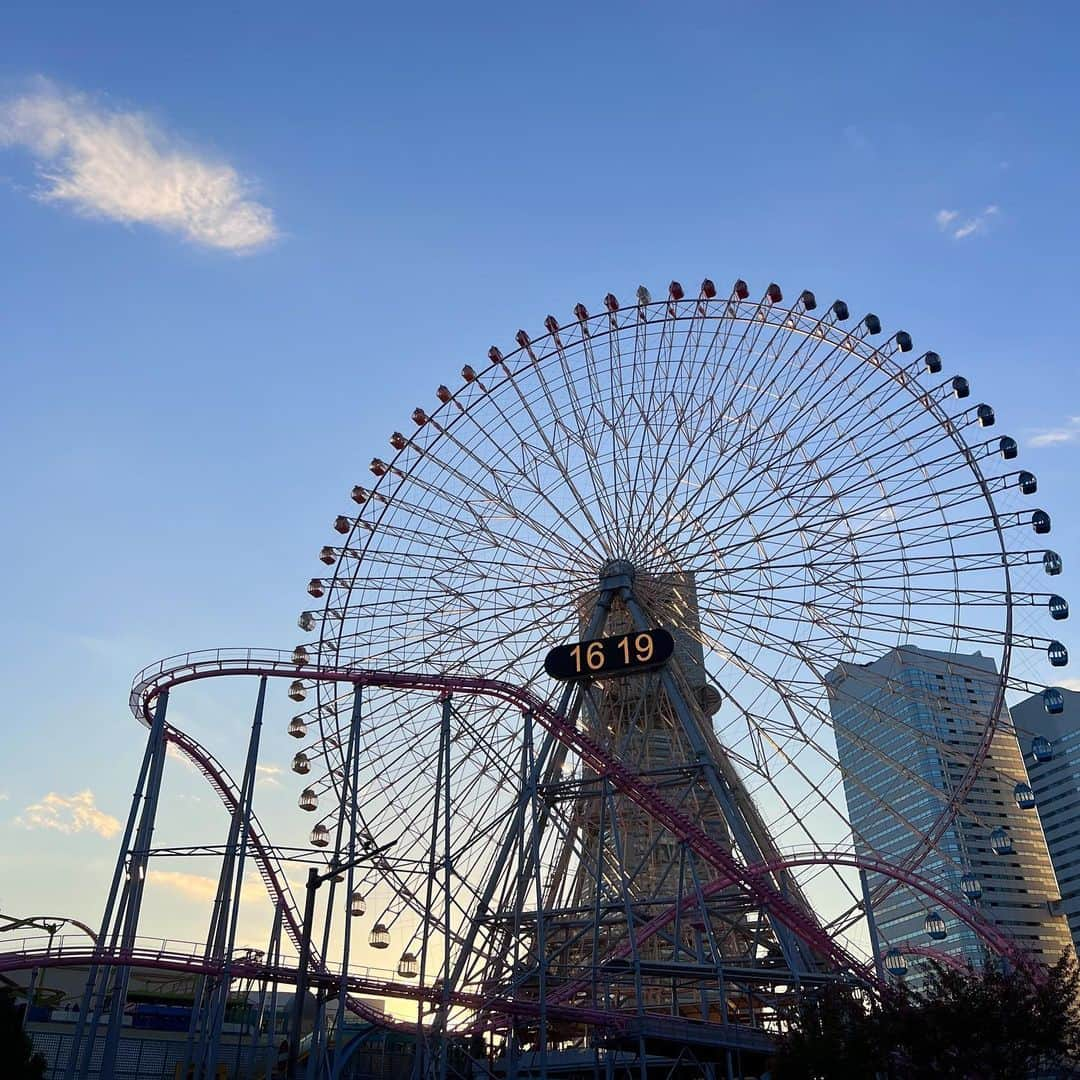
(789, 492)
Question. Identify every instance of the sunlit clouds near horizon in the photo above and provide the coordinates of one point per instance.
(69, 814)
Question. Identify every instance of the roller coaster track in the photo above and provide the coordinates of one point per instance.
(754, 880)
(41, 922)
(273, 877)
(191, 667)
(964, 912)
(169, 958)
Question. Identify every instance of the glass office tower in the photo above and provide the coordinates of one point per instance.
(907, 725)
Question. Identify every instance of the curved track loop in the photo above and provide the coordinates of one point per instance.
(192, 667)
(277, 885)
(963, 911)
(945, 959)
(39, 922)
(165, 959)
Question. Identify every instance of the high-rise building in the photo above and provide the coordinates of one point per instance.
(1054, 772)
(907, 726)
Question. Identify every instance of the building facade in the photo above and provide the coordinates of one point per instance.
(907, 726)
(1056, 784)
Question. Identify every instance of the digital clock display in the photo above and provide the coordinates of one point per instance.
(623, 654)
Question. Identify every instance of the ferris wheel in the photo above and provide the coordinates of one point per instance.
(792, 493)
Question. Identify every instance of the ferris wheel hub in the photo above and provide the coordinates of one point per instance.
(616, 573)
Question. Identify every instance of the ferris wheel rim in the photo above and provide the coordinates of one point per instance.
(387, 489)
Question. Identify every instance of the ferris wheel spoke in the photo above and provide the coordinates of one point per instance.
(790, 498)
(941, 746)
(501, 493)
(828, 418)
(571, 435)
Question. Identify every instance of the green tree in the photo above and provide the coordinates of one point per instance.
(985, 1024)
(17, 1058)
(834, 1034)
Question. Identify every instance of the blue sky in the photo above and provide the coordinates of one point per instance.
(241, 245)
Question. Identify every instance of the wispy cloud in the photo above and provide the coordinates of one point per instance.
(268, 775)
(948, 221)
(173, 751)
(190, 886)
(119, 165)
(69, 814)
(1055, 436)
(202, 888)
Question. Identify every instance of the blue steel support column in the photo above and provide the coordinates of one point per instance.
(273, 959)
(714, 945)
(541, 929)
(260, 1015)
(444, 1054)
(420, 1055)
(620, 856)
(788, 942)
(318, 1032)
(235, 884)
(351, 783)
(598, 887)
(596, 623)
(871, 923)
(136, 884)
(116, 890)
(35, 974)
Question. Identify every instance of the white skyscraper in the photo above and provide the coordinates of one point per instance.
(906, 726)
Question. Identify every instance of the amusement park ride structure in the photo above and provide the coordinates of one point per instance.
(648, 867)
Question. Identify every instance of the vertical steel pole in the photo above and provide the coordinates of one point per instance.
(598, 886)
(116, 889)
(790, 945)
(301, 974)
(34, 974)
(273, 956)
(235, 885)
(871, 923)
(541, 927)
(136, 884)
(620, 856)
(318, 1033)
(444, 1051)
(433, 848)
(260, 1013)
(352, 782)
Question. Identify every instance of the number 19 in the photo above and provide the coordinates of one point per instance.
(643, 648)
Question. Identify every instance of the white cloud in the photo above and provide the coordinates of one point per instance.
(190, 886)
(1070, 433)
(1049, 438)
(120, 166)
(268, 775)
(69, 814)
(173, 751)
(1068, 684)
(947, 222)
(201, 888)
